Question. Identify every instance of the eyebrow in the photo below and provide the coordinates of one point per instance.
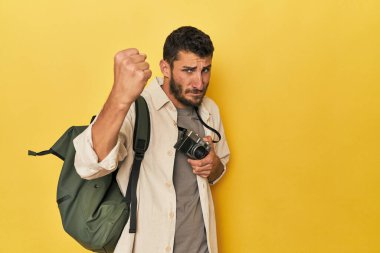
(194, 68)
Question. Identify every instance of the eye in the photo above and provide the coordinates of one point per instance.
(206, 70)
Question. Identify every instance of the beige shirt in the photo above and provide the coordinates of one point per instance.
(156, 208)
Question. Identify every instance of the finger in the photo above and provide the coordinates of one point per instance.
(130, 51)
(204, 168)
(142, 65)
(202, 174)
(119, 56)
(208, 139)
(205, 160)
(147, 74)
(193, 162)
(196, 163)
(137, 58)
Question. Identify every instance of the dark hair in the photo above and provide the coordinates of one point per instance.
(188, 39)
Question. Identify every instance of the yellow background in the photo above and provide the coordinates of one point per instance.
(297, 83)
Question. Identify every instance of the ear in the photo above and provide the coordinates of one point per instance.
(165, 68)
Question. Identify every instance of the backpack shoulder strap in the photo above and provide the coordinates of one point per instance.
(141, 137)
(141, 134)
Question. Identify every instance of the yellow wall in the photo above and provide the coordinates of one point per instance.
(297, 83)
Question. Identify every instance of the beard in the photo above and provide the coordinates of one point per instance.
(179, 93)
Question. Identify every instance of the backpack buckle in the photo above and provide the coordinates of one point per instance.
(139, 156)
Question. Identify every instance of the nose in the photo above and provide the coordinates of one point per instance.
(198, 81)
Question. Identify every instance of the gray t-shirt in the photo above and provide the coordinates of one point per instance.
(190, 234)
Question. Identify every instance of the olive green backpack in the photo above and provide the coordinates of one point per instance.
(95, 212)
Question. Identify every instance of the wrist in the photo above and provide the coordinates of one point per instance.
(116, 104)
(217, 172)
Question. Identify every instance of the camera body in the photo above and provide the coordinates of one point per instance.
(191, 144)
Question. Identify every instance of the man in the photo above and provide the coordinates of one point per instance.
(175, 210)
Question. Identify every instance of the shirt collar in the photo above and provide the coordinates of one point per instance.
(160, 98)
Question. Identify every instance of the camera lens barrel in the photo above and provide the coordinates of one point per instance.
(200, 152)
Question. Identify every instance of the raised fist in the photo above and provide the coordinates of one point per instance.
(131, 73)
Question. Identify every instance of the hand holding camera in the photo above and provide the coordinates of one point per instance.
(209, 164)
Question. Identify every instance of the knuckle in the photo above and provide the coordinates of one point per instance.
(118, 56)
(131, 51)
(139, 73)
(129, 67)
(125, 61)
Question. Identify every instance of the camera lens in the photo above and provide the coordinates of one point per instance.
(200, 152)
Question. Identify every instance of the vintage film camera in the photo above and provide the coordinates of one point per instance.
(191, 144)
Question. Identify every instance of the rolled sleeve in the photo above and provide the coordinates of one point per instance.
(218, 178)
(86, 160)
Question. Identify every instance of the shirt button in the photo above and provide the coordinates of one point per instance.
(171, 215)
(170, 152)
(168, 184)
(168, 248)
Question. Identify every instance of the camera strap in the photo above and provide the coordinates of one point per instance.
(208, 127)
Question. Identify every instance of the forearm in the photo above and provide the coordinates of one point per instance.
(216, 172)
(131, 72)
(106, 128)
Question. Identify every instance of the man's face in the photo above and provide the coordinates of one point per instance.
(189, 78)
